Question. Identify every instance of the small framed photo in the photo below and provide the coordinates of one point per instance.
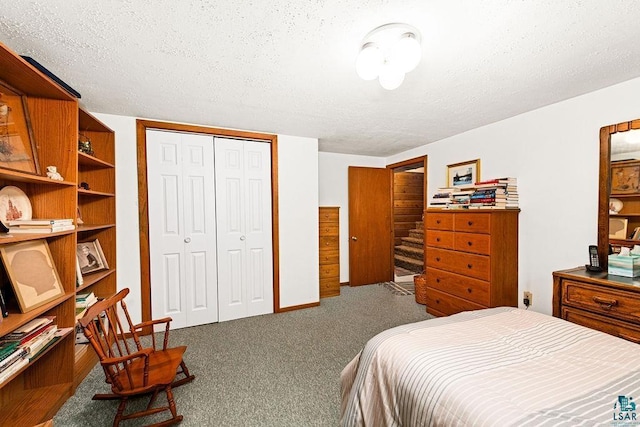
(625, 178)
(464, 173)
(17, 146)
(618, 228)
(32, 273)
(90, 257)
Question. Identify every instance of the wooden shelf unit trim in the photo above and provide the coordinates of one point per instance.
(91, 193)
(87, 160)
(22, 76)
(92, 279)
(88, 123)
(24, 237)
(10, 175)
(35, 405)
(31, 363)
(15, 319)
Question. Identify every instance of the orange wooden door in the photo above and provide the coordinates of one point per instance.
(370, 226)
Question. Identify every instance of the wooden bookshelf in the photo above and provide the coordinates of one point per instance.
(35, 393)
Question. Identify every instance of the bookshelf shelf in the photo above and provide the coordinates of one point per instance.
(24, 237)
(92, 193)
(31, 406)
(87, 160)
(93, 227)
(16, 319)
(94, 278)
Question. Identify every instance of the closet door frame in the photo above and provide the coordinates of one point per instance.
(143, 206)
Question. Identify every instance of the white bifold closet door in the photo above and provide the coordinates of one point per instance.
(182, 227)
(244, 227)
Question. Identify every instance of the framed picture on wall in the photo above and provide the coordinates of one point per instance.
(463, 173)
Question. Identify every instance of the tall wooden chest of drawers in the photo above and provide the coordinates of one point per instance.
(471, 259)
(329, 252)
(598, 301)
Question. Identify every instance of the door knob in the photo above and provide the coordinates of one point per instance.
(242, 237)
(354, 238)
(187, 240)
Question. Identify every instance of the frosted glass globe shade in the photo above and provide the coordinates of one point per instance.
(406, 53)
(391, 76)
(369, 62)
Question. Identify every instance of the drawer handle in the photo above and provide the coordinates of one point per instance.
(629, 338)
(437, 239)
(437, 301)
(607, 304)
(470, 223)
(437, 221)
(469, 290)
(470, 243)
(469, 266)
(438, 258)
(438, 280)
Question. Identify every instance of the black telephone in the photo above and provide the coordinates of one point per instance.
(594, 260)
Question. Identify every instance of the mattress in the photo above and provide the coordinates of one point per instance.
(496, 367)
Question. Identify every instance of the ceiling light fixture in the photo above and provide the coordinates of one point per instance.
(388, 53)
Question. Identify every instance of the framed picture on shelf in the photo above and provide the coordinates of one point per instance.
(463, 173)
(32, 273)
(90, 257)
(17, 146)
(625, 178)
(618, 228)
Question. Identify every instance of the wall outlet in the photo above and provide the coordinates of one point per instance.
(527, 298)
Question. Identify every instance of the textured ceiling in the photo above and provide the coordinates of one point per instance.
(288, 66)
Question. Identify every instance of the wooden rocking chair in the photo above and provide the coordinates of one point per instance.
(130, 368)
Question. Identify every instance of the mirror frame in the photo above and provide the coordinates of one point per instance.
(604, 184)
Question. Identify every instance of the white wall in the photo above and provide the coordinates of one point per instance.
(298, 202)
(554, 152)
(333, 187)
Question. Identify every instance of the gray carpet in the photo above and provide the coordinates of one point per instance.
(272, 370)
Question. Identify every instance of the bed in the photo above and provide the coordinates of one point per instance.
(495, 367)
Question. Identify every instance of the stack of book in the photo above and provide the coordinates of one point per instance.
(442, 198)
(40, 225)
(498, 193)
(24, 344)
(83, 302)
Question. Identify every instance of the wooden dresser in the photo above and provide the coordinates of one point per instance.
(329, 252)
(471, 259)
(598, 301)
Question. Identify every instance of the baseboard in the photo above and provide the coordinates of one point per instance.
(344, 283)
(297, 307)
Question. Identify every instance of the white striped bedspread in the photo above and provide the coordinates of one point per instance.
(496, 367)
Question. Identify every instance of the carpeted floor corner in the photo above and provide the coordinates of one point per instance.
(272, 370)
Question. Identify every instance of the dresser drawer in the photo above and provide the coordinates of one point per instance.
(329, 256)
(610, 302)
(329, 242)
(472, 223)
(449, 304)
(329, 215)
(439, 239)
(472, 242)
(327, 229)
(329, 287)
(476, 266)
(439, 221)
(470, 289)
(611, 326)
(329, 270)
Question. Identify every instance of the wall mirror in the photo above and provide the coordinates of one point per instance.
(619, 188)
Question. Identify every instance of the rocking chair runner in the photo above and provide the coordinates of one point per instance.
(129, 367)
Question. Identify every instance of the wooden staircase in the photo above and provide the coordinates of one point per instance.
(410, 253)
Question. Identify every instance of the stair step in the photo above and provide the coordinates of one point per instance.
(417, 234)
(408, 263)
(420, 225)
(413, 242)
(409, 252)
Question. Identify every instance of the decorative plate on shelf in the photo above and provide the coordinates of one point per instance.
(615, 206)
(14, 204)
